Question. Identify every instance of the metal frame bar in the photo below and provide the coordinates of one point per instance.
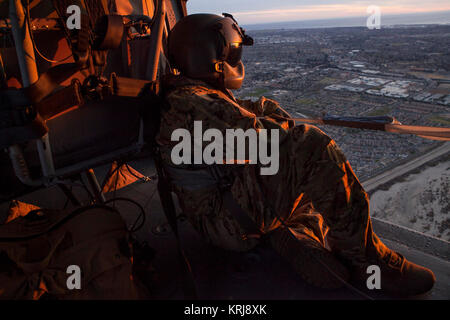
(156, 42)
(93, 182)
(29, 73)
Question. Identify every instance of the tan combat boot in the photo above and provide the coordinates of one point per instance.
(398, 275)
(313, 262)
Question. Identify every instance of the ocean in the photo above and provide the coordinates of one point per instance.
(442, 17)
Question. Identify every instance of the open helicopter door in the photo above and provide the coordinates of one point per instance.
(96, 107)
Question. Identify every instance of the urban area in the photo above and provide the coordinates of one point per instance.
(402, 72)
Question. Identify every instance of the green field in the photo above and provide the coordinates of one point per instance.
(380, 112)
(258, 92)
(445, 120)
(305, 101)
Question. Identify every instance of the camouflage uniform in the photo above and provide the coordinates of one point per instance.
(315, 191)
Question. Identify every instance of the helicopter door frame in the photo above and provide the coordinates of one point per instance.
(28, 68)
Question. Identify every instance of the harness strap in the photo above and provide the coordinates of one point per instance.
(250, 228)
(225, 181)
(49, 81)
(164, 190)
(215, 177)
(426, 132)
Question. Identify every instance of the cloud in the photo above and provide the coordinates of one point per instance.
(272, 11)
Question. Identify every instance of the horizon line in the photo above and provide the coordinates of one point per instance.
(281, 24)
(350, 17)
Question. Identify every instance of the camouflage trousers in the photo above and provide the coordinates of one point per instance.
(315, 193)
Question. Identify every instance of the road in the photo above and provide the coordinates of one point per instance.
(373, 183)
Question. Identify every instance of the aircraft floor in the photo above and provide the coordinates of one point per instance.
(257, 275)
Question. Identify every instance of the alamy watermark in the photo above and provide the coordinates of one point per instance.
(74, 280)
(374, 280)
(235, 144)
(74, 20)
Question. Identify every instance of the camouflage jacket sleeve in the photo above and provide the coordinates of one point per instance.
(215, 111)
(265, 107)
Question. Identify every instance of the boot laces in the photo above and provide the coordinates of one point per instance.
(394, 260)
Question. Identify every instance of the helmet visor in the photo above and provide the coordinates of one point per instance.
(234, 54)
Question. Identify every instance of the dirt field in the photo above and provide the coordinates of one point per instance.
(420, 202)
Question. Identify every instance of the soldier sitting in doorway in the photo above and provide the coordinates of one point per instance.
(313, 211)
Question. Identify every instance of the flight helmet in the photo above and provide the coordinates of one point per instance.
(208, 47)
